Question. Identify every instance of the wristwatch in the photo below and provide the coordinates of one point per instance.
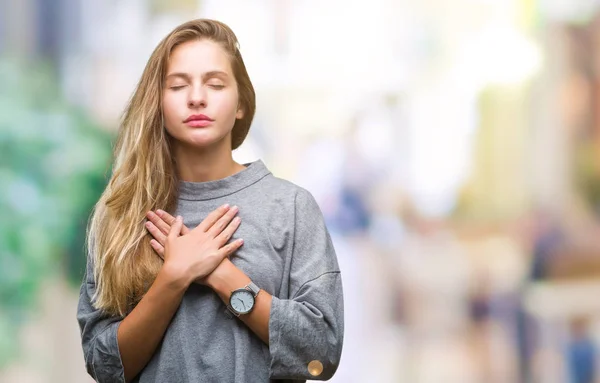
(242, 300)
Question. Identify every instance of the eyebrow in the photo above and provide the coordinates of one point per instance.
(210, 74)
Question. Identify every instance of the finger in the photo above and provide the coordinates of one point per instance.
(213, 217)
(169, 220)
(159, 222)
(222, 222)
(229, 249)
(160, 249)
(156, 233)
(228, 232)
(175, 228)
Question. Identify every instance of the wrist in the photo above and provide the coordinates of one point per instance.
(174, 277)
(226, 278)
(217, 278)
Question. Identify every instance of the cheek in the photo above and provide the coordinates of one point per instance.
(228, 105)
(170, 116)
(169, 108)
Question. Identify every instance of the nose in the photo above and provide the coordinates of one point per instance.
(197, 97)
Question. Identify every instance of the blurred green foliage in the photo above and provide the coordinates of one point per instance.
(53, 166)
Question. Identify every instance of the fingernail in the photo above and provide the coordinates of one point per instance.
(180, 218)
(237, 220)
(235, 208)
(159, 212)
(226, 206)
(147, 223)
(240, 241)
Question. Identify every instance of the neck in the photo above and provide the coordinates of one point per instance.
(202, 165)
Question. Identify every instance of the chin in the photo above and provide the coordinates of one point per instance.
(200, 144)
(202, 141)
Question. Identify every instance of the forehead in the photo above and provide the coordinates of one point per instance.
(199, 56)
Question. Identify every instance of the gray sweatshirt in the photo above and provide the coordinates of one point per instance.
(287, 252)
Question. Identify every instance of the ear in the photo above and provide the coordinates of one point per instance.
(239, 114)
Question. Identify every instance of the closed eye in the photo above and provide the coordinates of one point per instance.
(177, 87)
(217, 86)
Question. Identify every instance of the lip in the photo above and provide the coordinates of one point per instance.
(198, 117)
(198, 120)
(198, 123)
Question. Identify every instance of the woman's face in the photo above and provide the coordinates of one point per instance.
(200, 98)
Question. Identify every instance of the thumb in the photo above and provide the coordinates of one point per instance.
(175, 228)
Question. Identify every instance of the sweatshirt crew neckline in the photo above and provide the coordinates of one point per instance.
(201, 191)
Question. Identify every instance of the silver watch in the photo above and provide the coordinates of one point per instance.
(242, 300)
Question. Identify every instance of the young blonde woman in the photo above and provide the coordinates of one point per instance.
(201, 269)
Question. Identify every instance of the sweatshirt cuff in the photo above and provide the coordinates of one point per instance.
(296, 345)
(105, 362)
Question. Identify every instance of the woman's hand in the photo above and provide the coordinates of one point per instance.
(191, 255)
(159, 224)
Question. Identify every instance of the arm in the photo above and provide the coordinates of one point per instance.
(304, 333)
(226, 278)
(98, 335)
(117, 349)
(142, 330)
(306, 330)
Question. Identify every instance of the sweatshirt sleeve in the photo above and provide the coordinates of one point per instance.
(306, 331)
(98, 335)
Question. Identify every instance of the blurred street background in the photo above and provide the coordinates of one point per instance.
(453, 146)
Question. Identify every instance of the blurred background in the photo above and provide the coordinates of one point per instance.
(453, 146)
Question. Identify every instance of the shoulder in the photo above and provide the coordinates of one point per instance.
(297, 202)
(279, 187)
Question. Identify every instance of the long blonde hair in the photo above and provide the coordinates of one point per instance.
(144, 176)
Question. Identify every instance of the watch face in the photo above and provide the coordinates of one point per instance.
(242, 301)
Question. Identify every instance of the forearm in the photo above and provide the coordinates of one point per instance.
(142, 330)
(226, 278)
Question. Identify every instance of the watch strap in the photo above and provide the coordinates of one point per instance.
(252, 287)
